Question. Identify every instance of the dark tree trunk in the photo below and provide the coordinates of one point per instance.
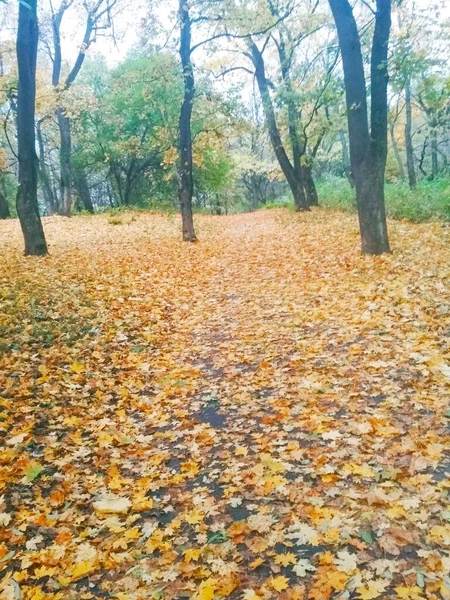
(49, 198)
(82, 186)
(434, 153)
(293, 178)
(27, 204)
(65, 158)
(398, 158)
(65, 151)
(346, 158)
(298, 148)
(310, 186)
(185, 166)
(368, 148)
(412, 179)
(4, 208)
(422, 157)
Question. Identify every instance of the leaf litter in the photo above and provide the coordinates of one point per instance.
(263, 414)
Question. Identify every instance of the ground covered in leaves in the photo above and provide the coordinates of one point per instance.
(264, 414)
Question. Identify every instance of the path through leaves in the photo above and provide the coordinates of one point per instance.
(263, 414)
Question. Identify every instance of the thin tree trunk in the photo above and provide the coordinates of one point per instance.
(65, 152)
(368, 148)
(422, 157)
(346, 159)
(398, 158)
(310, 186)
(4, 208)
(82, 187)
(65, 178)
(434, 153)
(295, 183)
(27, 203)
(185, 166)
(412, 179)
(49, 198)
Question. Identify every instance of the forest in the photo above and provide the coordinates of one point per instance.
(224, 299)
(254, 95)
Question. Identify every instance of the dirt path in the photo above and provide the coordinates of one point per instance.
(265, 413)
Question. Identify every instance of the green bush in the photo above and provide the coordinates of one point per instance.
(429, 201)
(282, 202)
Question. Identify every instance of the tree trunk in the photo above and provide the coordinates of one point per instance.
(185, 165)
(369, 185)
(368, 148)
(412, 179)
(65, 163)
(44, 178)
(346, 159)
(398, 158)
(4, 208)
(310, 186)
(82, 186)
(294, 179)
(434, 153)
(27, 203)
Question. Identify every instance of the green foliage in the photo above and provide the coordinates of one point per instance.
(282, 202)
(8, 187)
(429, 201)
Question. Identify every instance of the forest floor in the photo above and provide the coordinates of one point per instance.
(264, 414)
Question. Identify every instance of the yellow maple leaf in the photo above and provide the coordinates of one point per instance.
(44, 572)
(241, 451)
(82, 568)
(285, 559)
(411, 593)
(206, 590)
(337, 579)
(194, 517)
(279, 583)
(77, 367)
(256, 563)
(132, 534)
(372, 590)
(192, 554)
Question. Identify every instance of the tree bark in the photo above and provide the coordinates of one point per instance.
(346, 159)
(65, 151)
(49, 198)
(368, 148)
(185, 165)
(294, 179)
(398, 158)
(82, 186)
(412, 179)
(65, 159)
(298, 146)
(434, 152)
(310, 186)
(27, 203)
(4, 208)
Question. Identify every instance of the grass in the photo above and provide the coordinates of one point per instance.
(430, 201)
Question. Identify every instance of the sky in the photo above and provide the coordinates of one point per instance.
(127, 25)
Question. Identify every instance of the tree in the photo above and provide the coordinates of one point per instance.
(368, 146)
(293, 175)
(27, 204)
(97, 17)
(185, 169)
